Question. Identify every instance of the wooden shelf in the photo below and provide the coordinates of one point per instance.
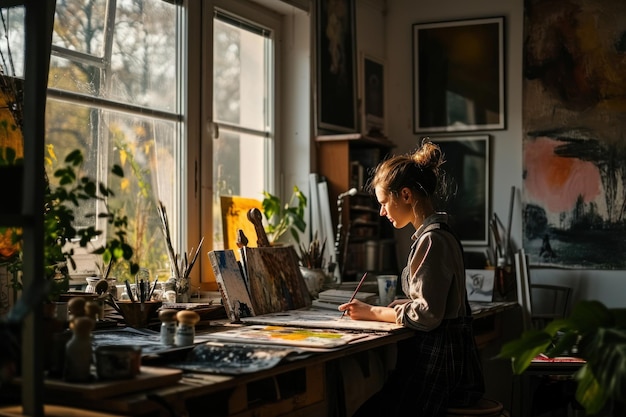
(337, 155)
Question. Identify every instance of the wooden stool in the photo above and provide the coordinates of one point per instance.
(484, 407)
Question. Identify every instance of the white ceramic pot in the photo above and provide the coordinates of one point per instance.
(314, 280)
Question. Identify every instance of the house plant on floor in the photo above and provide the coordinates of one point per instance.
(594, 333)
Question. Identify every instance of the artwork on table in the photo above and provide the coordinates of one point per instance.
(288, 336)
(479, 284)
(336, 82)
(233, 359)
(467, 169)
(372, 95)
(574, 151)
(231, 284)
(458, 75)
(320, 318)
(275, 281)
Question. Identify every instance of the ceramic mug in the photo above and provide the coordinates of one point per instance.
(386, 288)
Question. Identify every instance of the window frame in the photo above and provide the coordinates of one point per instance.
(259, 16)
(83, 256)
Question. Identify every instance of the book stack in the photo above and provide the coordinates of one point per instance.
(331, 299)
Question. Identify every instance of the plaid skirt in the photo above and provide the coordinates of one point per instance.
(435, 370)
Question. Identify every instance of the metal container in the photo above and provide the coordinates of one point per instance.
(118, 361)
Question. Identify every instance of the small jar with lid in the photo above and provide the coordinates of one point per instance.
(186, 330)
(168, 326)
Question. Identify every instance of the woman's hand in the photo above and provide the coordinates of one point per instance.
(358, 310)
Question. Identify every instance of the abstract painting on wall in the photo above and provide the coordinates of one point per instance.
(574, 149)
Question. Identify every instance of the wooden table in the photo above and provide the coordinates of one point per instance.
(304, 386)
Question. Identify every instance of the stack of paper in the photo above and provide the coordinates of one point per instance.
(331, 299)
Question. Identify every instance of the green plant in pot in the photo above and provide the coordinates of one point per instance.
(594, 333)
(282, 218)
(59, 230)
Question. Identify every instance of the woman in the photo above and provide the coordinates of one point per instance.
(439, 366)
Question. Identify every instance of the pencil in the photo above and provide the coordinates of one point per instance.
(356, 290)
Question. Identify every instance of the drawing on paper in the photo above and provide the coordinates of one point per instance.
(289, 336)
(479, 284)
(320, 318)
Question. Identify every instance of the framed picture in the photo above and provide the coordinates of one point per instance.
(336, 66)
(458, 75)
(479, 284)
(372, 95)
(467, 171)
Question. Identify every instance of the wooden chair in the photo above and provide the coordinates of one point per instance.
(549, 302)
(541, 303)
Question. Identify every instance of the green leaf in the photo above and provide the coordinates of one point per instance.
(523, 350)
(588, 392)
(74, 158)
(564, 344)
(589, 315)
(117, 170)
(10, 155)
(605, 352)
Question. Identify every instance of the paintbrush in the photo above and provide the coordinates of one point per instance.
(356, 290)
(129, 291)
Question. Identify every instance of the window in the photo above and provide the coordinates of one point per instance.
(243, 100)
(114, 94)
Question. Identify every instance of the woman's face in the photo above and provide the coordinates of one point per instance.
(397, 209)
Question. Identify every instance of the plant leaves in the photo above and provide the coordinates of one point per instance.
(605, 352)
(589, 315)
(523, 350)
(588, 392)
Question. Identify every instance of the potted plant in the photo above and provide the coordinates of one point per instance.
(592, 332)
(60, 203)
(281, 218)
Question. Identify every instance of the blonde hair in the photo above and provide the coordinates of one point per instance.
(419, 171)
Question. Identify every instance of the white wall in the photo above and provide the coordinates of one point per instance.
(506, 145)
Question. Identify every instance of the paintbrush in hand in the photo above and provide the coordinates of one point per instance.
(356, 290)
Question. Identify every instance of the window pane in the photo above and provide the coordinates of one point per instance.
(141, 69)
(79, 26)
(145, 148)
(72, 76)
(144, 54)
(239, 164)
(136, 64)
(12, 41)
(240, 75)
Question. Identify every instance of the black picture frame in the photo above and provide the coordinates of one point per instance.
(467, 170)
(458, 75)
(372, 81)
(336, 66)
